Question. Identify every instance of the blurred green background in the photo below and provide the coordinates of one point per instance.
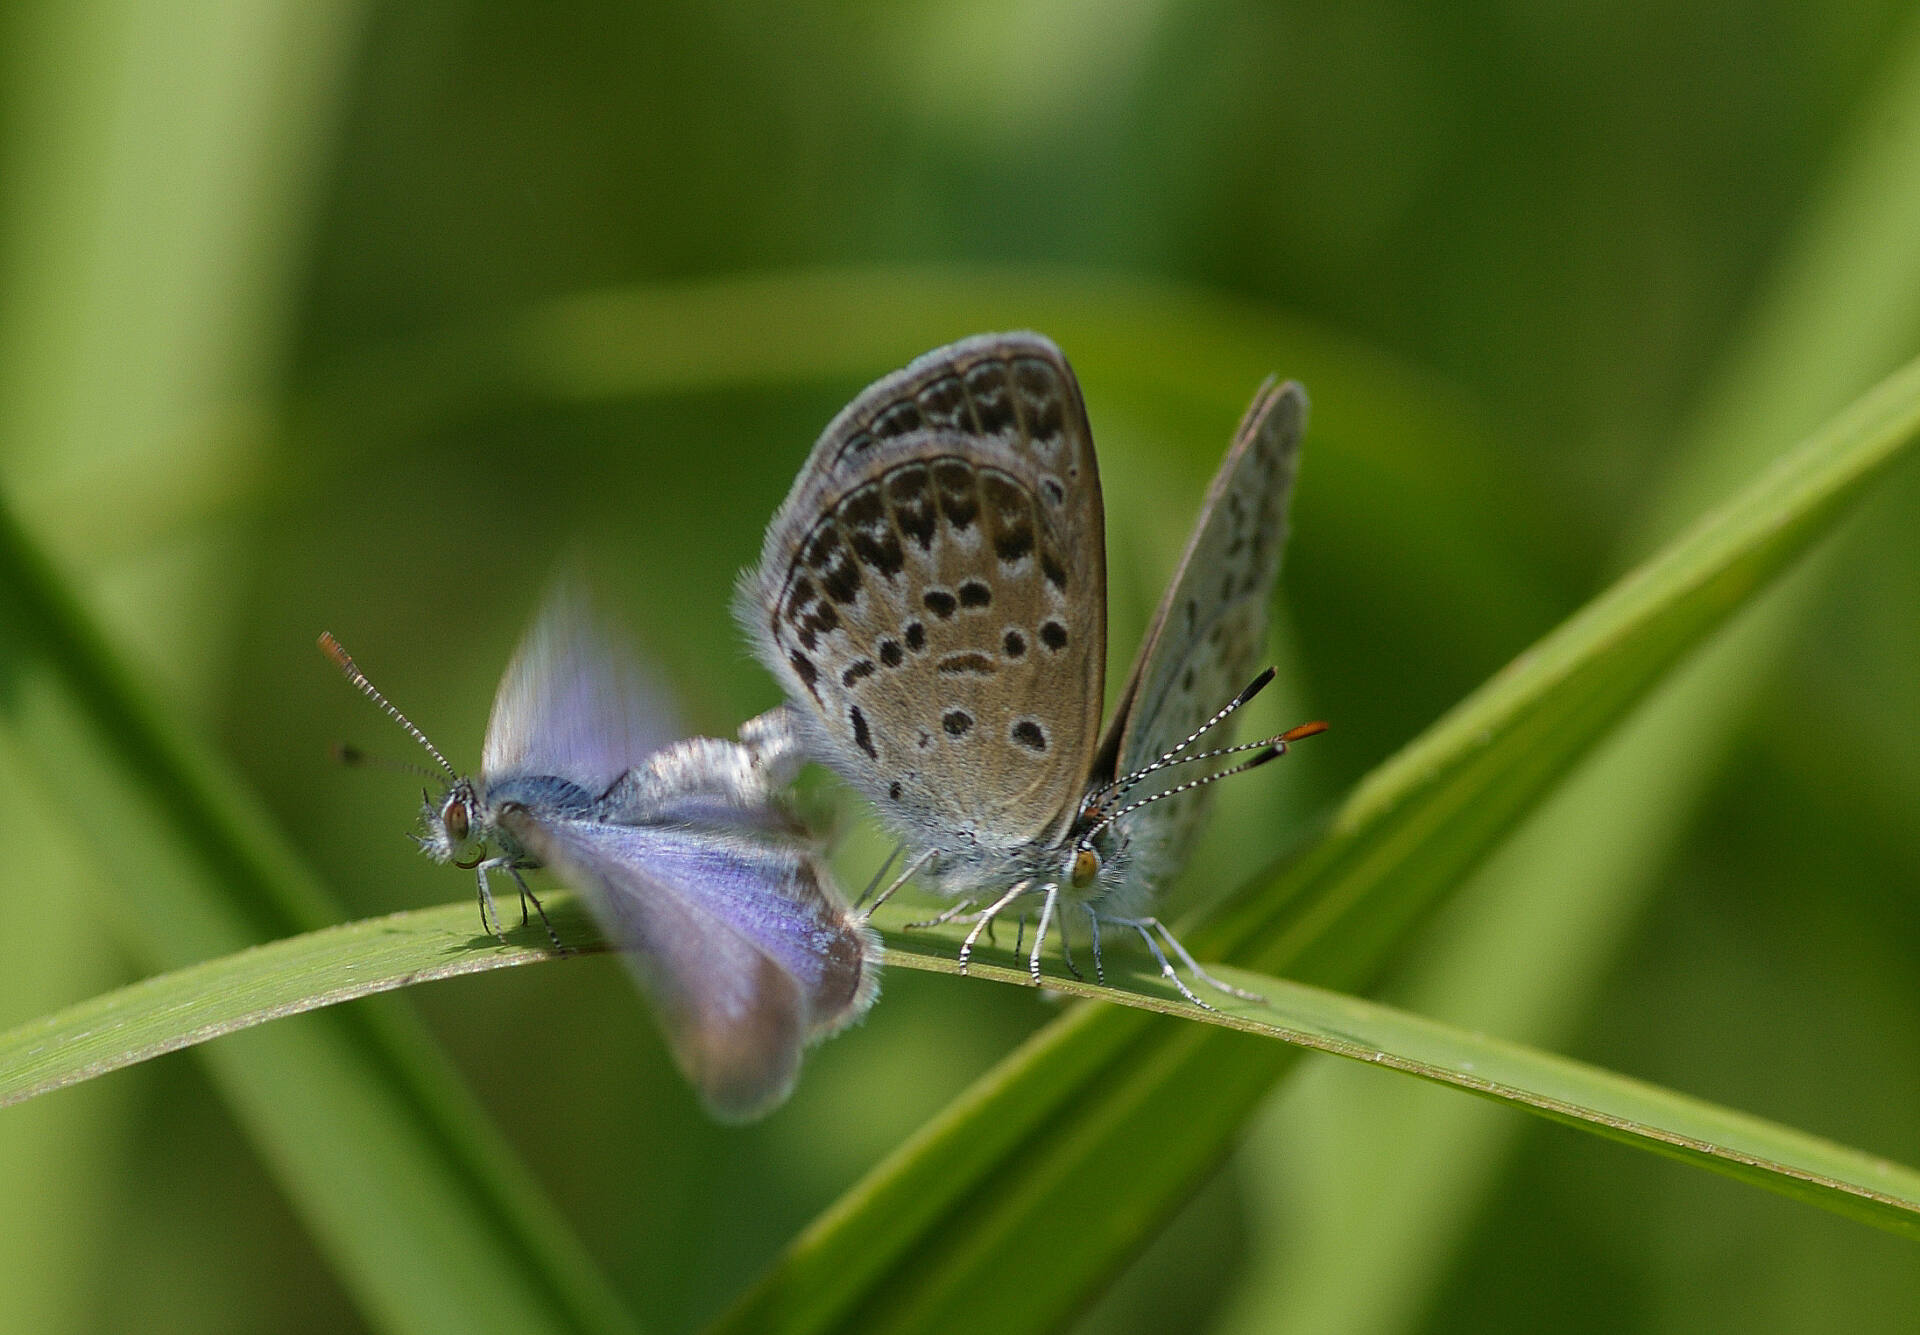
(363, 318)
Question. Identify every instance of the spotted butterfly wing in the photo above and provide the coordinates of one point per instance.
(1209, 633)
(932, 595)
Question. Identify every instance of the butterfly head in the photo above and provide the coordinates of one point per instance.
(1096, 857)
(459, 827)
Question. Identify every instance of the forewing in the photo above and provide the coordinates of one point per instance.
(741, 944)
(574, 702)
(1205, 641)
(932, 596)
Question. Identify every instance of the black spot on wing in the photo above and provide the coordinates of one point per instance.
(957, 722)
(1042, 398)
(1055, 572)
(820, 544)
(861, 737)
(953, 482)
(841, 579)
(943, 404)
(820, 620)
(1053, 635)
(803, 668)
(970, 663)
(1029, 734)
(992, 403)
(870, 533)
(1010, 509)
(910, 491)
(897, 420)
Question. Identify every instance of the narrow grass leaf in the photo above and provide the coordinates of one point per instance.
(220, 997)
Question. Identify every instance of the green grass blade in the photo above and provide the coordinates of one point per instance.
(404, 1182)
(967, 1211)
(1851, 1182)
(220, 997)
(296, 974)
(1842, 305)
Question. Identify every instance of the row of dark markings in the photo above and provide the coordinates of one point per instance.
(1024, 732)
(1013, 643)
(956, 723)
(996, 397)
(867, 526)
(865, 534)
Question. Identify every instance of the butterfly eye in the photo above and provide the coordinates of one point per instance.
(456, 818)
(1086, 866)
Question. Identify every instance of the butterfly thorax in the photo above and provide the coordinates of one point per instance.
(1088, 867)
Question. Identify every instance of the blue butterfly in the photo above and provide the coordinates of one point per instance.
(682, 850)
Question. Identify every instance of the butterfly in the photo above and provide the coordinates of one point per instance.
(931, 597)
(681, 849)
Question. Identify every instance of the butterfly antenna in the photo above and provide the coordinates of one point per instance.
(344, 661)
(1273, 749)
(346, 753)
(1119, 786)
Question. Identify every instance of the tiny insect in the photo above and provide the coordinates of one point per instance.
(932, 598)
(682, 850)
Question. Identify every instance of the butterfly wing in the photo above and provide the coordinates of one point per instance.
(1206, 638)
(574, 702)
(741, 943)
(932, 595)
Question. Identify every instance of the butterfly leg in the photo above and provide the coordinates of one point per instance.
(875, 882)
(906, 875)
(1099, 965)
(946, 916)
(1066, 950)
(987, 915)
(1019, 934)
(1040, 933)
(1160, 956)
(1194, 968)
(528, 897)
(489, 915)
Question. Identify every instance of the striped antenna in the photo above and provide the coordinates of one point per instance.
(344, 661)
(1271, 749)
(1118, 787)
(354, 758)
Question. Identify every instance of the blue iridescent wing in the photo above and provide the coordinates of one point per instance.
(574, 702)
(740, 941)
